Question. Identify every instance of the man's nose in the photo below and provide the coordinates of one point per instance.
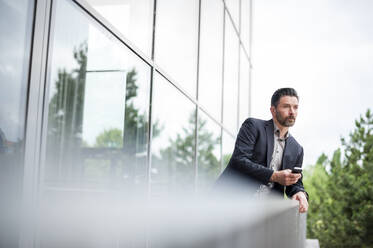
(292, 111)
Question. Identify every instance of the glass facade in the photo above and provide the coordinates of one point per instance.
(244, 88)
(132, 18)
(246, 22)
(209, 146)
(211, 56)
(233, 7)
(173, 140)
(231, 69)
(16, 18)
(176, 41)
(227, 148)
(136, 97)
(98, 107)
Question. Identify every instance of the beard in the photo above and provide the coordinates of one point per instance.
(285, 121)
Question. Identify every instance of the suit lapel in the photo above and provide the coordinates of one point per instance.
(287, 153)
(269, 131)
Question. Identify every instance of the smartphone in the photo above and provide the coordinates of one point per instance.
(296, 170)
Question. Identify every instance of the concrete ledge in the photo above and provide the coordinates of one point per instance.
(312, 243)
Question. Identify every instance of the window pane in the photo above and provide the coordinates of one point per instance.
(245, 23)
(176, 40)
(211, 56)
(244, 88)
(233, 8)
(15, 27)
(209, 166)
(230, 78)
(133, 18)
(228, 147)
(98, 108)
(173, 142)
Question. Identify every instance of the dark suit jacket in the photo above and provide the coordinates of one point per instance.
(249, 164)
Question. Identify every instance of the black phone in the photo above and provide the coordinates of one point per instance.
(296, 170)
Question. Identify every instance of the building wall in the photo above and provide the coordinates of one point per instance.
(136, 97)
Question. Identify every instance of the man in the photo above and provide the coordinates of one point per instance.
(265, 153)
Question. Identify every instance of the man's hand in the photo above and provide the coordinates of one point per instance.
(303, 203)
(285, 177)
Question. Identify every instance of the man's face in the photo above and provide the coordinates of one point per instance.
(286, 111)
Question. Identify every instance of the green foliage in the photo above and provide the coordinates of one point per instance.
(341, 192)
(120, 149)
(178, 158)
(208, 163)
(226, 158)
(65, 117)
(112, 138)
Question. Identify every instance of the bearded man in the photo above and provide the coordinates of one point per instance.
(265, 154)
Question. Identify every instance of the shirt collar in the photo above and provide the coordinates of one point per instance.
(277, 131)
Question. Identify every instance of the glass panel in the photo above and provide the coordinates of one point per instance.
(244, 87)
(211, 56)
(245, 23)
(98, 108)
(234, 9)
(15, 27)
(173, 142)
(209, 165)
(176, 40)
(230, 78)
(227, 146)
(133, 18)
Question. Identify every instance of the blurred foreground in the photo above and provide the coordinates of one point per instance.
(85, 221)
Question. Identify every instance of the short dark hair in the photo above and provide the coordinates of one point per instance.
(282, 92)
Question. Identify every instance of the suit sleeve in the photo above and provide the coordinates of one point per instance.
(243, 154)
(298, 186)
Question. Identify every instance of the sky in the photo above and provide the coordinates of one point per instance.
(324, 49)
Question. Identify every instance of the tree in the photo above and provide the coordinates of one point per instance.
(65, 117)
(177, 160)
(123, 150)
(112, 138)
(341, 192)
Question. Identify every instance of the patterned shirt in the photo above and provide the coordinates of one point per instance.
(278, 150)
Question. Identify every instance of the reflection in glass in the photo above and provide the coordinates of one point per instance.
(176, 40)
(173, 141)
(133, 18)
(209, 166)
(211, 56)
(227, 147)
(97, 120)
(234, 9)
(230, 77)
(244, 88)
(15, 28)
(245, 23)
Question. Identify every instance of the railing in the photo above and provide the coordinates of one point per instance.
(86, 221)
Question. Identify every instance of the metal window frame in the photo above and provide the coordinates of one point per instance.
(196, 133)
(222, 91)
(34, 119)
(150, 132)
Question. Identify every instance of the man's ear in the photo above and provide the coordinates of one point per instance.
(273, 110)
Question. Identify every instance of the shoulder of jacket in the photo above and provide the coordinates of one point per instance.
(254, 121)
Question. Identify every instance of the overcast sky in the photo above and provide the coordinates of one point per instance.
(324, 49)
